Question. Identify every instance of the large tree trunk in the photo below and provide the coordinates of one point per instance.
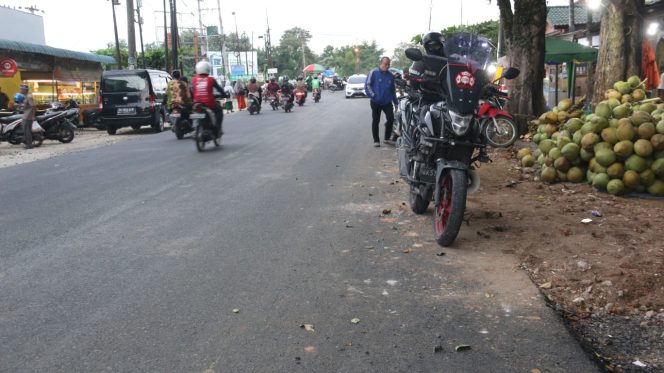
(525, 41)
(620, 45)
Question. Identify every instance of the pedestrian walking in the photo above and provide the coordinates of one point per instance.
(29, 111)
(380, 88)
(240, 92)
(228, 90)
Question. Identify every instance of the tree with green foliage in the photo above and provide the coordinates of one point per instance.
(287, 56)
(399, 59)
(488, 29)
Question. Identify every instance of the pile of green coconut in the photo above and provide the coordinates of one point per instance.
(618, 148)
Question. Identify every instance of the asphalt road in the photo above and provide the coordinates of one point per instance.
(133, 256)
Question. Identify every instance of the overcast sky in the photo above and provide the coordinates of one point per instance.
(86, 25)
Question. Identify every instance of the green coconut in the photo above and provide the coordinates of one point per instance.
(596, 167)
(599, 123)
(573, 125)
(540, 159)
(605, 157)
(523, 152)
(609, 135)
(570, 151)
(565, 104)
(613, 103)
(657, 188)
(603, 110)
(645, 130)
(625, 131)
(616, 170)
(589, 140)
(588, 127)
(576, 138)
(648, 107)
(575, 175)
(562, 164)
(660, 127)
(623, 149)
(657, 167)
(635, 163)
(626, 98)
(643, 148)
(638, 95)
(615, 187)
(602, 145)
(600, 180)
(548, 174)
(657, 142)
(590, 176)
(647, 177)
(621, 111)
(612, 94)
(638, 117)
(622, 87)
(585, 155)
(634, 81)
(545, 145)
(631, 179)
(554, 153)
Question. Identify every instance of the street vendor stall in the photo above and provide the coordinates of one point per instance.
(559, 51)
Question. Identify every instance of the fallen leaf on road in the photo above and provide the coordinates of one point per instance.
(411, 234)
(236, 310)
(307, 327)
(460, 348)
(535, 371)
(533, 318)
(388, 220)
(310, 349)
(355, 320)
(546, 285)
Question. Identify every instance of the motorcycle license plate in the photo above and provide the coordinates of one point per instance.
(197, 115)
(126, 110)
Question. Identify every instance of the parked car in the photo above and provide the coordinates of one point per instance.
(355, 85)
(133, 98)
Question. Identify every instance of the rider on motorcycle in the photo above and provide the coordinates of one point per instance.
(273, 89)
(315, 85)
(287, 88)
(419, 78)
(178, 94)
(255, 89)
(204, 85)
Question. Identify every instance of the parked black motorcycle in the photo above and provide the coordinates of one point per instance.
(57, 126)
(439, 157)
(181, 123)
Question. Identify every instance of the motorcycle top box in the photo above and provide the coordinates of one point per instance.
(133, 98)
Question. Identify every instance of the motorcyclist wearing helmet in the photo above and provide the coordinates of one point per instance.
(421, 78)
(287, 88)
(203, 86)
(315, 85)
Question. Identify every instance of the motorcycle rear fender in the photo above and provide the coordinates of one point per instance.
(492, 112)
(441, 166)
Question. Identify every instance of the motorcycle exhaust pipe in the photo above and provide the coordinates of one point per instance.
(473, 181)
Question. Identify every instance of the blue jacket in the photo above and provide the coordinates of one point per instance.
(379, 86)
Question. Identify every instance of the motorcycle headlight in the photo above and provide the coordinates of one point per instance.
(460, 123)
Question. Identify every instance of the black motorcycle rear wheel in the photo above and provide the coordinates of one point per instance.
(200, 138)
(448, 212)
(65, 135)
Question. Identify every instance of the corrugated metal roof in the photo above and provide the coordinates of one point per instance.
(56, 52)
(559, 15)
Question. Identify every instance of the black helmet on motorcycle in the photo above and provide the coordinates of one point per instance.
(433, 43)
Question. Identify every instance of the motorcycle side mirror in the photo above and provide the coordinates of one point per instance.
(511, 73)
(414, 54)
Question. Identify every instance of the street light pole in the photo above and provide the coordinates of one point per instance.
(357, 60)
(168, 63)
(140, 29)
(246, 59)
(237, 44)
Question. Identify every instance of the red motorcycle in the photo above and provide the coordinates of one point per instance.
(300, 96)
(497, 125)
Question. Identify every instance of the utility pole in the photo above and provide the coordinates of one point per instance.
(203, 33)
(117, 42)
(174, 34)
(131, 35)
(430, 7)
(222, 41)
(572, 20)
(140, 28)
(168, 63)
(246, 59)
(268, 43)
(237, 45)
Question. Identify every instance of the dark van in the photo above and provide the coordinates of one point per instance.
(133, 98)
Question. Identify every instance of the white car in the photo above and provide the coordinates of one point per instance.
(355, 85)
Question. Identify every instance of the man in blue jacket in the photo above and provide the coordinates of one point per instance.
(379, 86)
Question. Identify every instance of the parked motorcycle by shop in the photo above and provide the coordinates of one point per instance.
(11, 130)
(57, 126)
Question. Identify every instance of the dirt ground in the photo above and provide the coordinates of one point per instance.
(606, 278)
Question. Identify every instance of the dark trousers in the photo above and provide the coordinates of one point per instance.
(375, 120)
(27, 132)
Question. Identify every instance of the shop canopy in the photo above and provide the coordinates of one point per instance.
(55, 52)
(559, 51)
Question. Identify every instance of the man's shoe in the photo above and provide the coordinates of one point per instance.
(377, 144)
(389, 142)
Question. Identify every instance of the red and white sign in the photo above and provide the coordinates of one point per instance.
(465, 80)
(7, 67)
